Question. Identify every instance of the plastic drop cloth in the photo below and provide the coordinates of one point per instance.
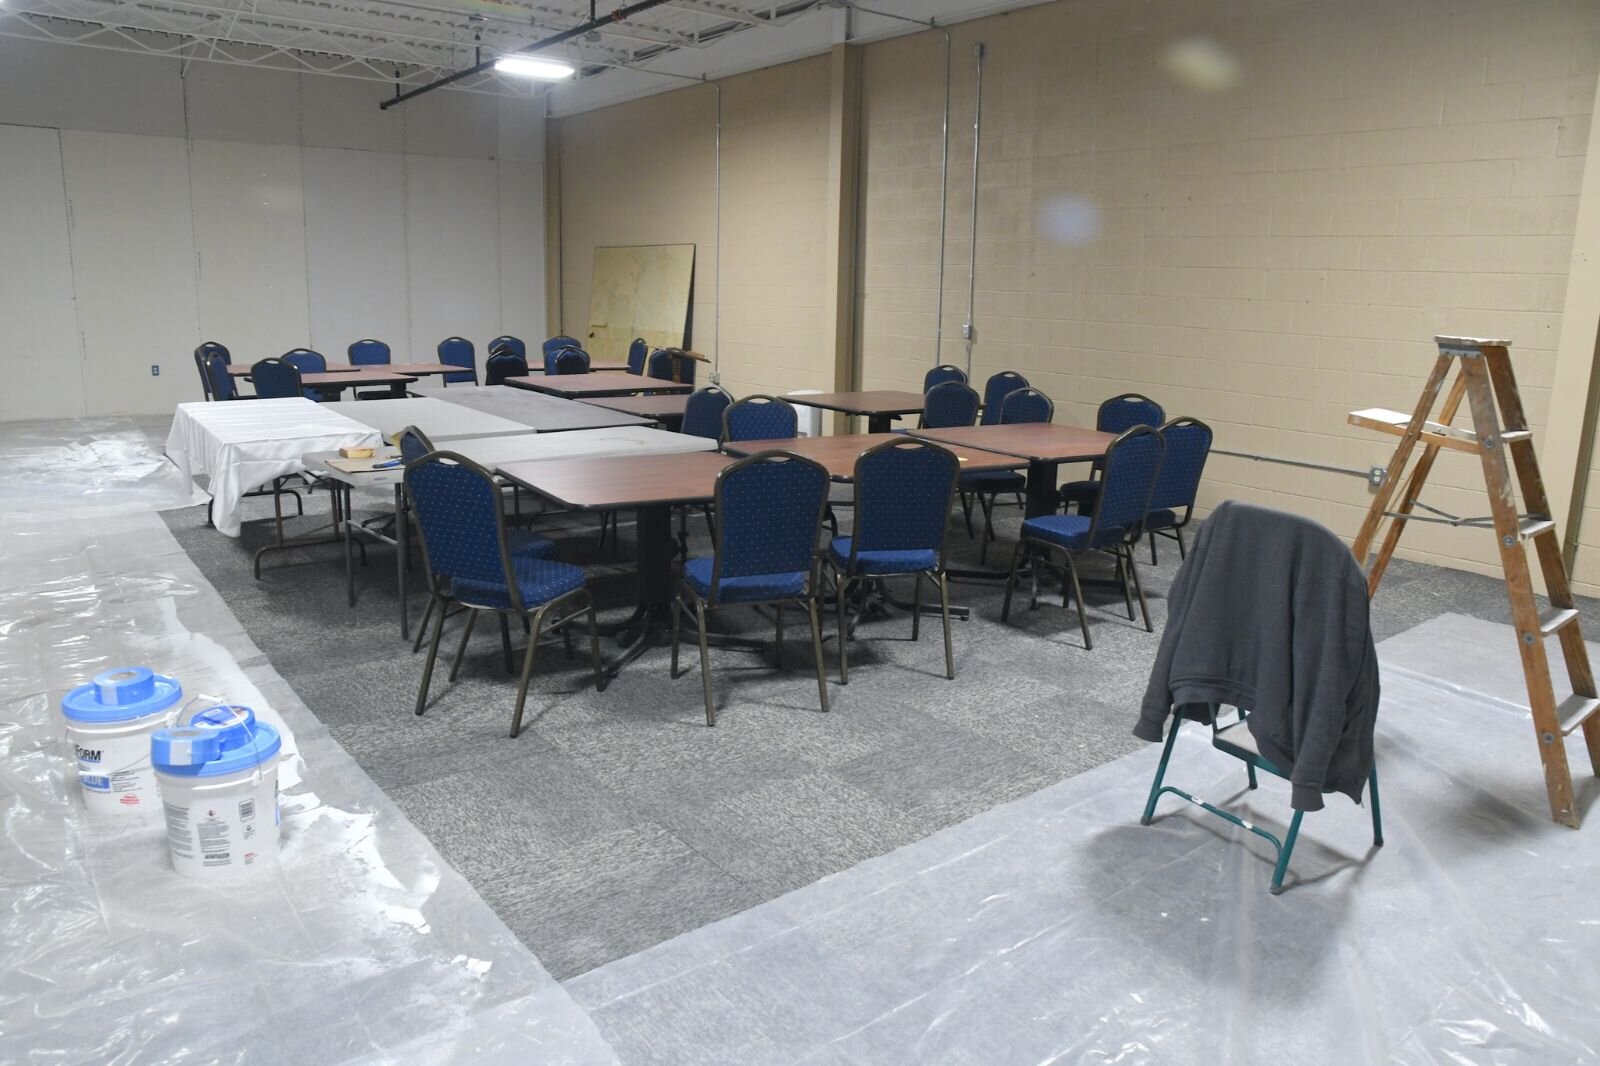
(361, 946)
(1058, 929)
(99, 463)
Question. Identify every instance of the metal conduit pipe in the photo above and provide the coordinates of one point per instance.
(1365, 475)
(967, 332)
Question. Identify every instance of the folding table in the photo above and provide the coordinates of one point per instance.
(602, 383)
(1044, 445)
(881, 407)
(664, 408)
(442, 420)
(547, 414)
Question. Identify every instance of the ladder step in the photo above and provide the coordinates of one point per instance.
(1554, 619)
(1516, 436)
(1397, 422)
(1575, 710)
(1532, 526)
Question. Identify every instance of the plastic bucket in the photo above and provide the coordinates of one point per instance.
(219, 788)
(109, 724)
(810, 418)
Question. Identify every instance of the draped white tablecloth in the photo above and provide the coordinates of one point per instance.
(243, 444)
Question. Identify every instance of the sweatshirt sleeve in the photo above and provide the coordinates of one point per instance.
(1327, 651)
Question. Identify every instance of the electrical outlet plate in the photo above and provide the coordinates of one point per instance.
(1375, 476)
(155, 370)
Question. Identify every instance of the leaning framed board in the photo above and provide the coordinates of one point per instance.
(639, 291)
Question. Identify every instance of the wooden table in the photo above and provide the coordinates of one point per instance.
(415, 370)
(839, 453)
(536, 410)
(667, 408)
(1043, 444)
(350, 379)
(881, 407)
(650, 485)
(601, 383)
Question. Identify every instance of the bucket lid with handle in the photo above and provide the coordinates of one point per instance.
(220, 740)
(121, 694)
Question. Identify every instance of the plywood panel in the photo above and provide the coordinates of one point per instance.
(453, 250)
(133, 260)
(356, 250)
(639, 291)
(522, 249)
(39, 340)
(249, 227)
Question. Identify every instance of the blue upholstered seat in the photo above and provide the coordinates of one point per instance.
(526, 544)
(878, 563)
(1082, 493)
(538, 580)
(1161, 518)
(747, 588)
(1070, 531)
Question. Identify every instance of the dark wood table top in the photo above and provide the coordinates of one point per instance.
(1042, 442)
(622, 481)
(657, 406)
(366, 375)
(597, 383)
(416, 370)
(536, 410)
(874, 402)
(839, 453)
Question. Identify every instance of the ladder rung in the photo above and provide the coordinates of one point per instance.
(1553, 619)
(1516, 436)
(1396, 422)
(1575, 710)
(1532, 526)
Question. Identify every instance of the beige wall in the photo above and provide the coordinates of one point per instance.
(1266, 257)
(642, 173)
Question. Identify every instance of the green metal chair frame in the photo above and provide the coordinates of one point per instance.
(1243, 748)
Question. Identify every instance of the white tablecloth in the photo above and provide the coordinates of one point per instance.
(243, 444)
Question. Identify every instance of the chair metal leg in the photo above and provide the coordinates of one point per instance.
(777, 647)
(987, 503)
(1138, 588)
(841, 587)
(1179, 534)
(1284, 852)
(433, 654)
(505, 642)
(705, 662)
(1011, 581)
(1153, 561)
(1377, 814)
(594, 645)
(916, 605)
(943, 582)
(966, 513)
(1161, 771)
(1124, 559)
(461, 649)
(1077, 594)
(422, 629)
(816, 649)
(677, 625)
(1035, 564)
(1250, 772)
(527, 670)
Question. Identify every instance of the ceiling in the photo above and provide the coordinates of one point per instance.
(410, 43)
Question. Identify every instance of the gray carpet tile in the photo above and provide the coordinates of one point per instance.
(618, 820)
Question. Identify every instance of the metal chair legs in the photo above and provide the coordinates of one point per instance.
(816, 649)
(705, 663)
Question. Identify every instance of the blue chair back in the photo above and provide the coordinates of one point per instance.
(202, 359)
(1126, 411)
(637, 351)
(1133, 461)
(702, 413)
(769, 508)
(572, 361)
(414, 444)
(205, 374)
(276, 379)
(995, 391)
(458, 351)
(940, 374)
(222, 383)
(1188, 443)
(368, 352)
(558, 342)
(504, 364)
(661, 365)
(308, 362)
(903, 493)
(458, 513)
(949, 405)
(506, 342)
(208, 347)
(759, 418)
(551, 354)
(1026, 405)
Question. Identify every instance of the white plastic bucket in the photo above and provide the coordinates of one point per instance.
(219, 788)
(109, 724)
(810, 420)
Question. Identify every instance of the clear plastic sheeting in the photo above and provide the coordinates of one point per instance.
(362, 945)
(1058, 929)
(101, 463)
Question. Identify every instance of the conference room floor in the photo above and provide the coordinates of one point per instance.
(618, 820)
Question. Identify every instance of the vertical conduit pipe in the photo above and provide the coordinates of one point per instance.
(716, 284)
(944, 207)
(967, 332)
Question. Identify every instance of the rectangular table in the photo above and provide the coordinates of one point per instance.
(880, 406)
(603, 383)
(1043, 444)
(244, 444)
(441, 420)
(547, 414)
(650, 485)
(839, 453)
(415, 370)
(665, 408)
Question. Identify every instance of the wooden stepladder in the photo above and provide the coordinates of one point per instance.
(1489, 386)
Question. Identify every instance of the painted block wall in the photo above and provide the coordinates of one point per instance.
(148, 208)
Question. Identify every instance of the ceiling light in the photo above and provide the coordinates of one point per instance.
(530, 67)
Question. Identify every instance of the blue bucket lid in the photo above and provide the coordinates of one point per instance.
(220, 740)
(121, 695)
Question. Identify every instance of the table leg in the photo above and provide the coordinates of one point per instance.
(345, 495)
(880, 423)
(1041, 498)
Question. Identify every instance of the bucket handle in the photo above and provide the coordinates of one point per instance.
(187, 712)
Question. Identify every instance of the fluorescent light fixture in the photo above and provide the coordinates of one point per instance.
(531, 67)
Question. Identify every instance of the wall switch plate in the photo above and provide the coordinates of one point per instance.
(155, 370)
(966, 331)
(1375, 476)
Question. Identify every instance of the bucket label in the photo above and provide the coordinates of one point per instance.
(115, 770)
(224, 830)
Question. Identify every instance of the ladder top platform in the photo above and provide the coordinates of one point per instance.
(1470, 342)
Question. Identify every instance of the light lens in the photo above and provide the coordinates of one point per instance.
(529, 67)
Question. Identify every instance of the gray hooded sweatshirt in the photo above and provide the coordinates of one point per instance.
(1269, 614)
